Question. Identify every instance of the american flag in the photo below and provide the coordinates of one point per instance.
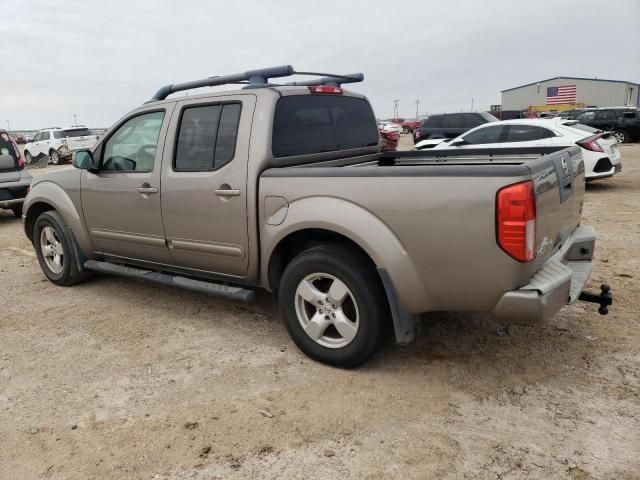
(563, 94)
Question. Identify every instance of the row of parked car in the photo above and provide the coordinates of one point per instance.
(598, 147)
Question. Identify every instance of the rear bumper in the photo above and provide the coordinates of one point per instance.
(13, 193)
(559, 282)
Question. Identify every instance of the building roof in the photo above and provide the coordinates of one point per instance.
(570, 78)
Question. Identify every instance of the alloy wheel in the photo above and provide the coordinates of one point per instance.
(327, 310)
(52, 250)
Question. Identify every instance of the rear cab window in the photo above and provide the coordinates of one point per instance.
(310, 124)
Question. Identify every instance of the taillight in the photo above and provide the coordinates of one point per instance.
(325, 89)
(416, 134)
(20, 162)
(516, 220)
(591, 143)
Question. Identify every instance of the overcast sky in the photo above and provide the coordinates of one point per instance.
(100, 59)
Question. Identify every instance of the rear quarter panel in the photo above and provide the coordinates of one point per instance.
(435, 235)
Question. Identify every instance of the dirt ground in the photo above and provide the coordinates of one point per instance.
(119, 379)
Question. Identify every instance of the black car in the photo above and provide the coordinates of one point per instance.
(624, 122)
(450, 125)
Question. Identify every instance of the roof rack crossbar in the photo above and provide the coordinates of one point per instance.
(256, 79)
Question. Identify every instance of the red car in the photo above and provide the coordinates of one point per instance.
(408, 126)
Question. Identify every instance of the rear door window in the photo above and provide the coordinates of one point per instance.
(308, 124)
(527, 133)
(491, 134)
(453, 120)
(207, 137)
(471, 120)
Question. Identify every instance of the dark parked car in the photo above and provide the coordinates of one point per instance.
(624, 122)
(450, 125)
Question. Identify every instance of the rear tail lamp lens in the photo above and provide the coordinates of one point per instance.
(516, 220)
(591, 143)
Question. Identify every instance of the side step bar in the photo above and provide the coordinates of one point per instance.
(237, 294)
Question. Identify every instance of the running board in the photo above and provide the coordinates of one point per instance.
(237, 294)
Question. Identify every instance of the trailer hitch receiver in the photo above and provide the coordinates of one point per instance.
(604, 298)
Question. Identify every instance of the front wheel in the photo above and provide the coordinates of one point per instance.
(621, 136)
(54, 250)
(334, 305)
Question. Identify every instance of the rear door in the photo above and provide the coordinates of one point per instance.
(121, 200)
(605, 120)
(204, 184)
(452, 126)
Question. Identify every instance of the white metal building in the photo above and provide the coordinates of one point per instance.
(593, 92)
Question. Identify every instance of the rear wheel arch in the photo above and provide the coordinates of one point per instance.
(301, 240)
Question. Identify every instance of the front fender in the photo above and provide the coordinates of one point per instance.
(363, 228)
(67, 204)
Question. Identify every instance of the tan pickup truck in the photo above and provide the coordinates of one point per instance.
(282, 187)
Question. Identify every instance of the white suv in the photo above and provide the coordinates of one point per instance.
(58, 144)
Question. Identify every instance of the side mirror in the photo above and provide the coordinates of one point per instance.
(459, 142)
(83, 159)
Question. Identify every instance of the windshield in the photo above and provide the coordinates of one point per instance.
(76, 132)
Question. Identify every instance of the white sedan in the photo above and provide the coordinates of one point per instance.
(599, 149)
(389, 127)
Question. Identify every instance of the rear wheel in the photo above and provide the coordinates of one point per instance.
(54, 250)
(54, 157)
(28, 158)
(334, 305)
(621, 136)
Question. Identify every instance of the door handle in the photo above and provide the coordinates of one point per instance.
(227, 192)
(147, 190)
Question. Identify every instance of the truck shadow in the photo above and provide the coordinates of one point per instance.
(473, 353)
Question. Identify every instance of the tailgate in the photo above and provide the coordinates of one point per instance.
(559, 186)
(76, 143)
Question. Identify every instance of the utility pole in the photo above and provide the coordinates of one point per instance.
(8, 126)
(395, 108)
(75, 122)
(472, 104)
(417, 107)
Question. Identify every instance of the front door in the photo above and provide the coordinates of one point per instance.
(204, 185)
(121, 201)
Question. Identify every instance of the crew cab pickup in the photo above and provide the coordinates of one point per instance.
(283, 187)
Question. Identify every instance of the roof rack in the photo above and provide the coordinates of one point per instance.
(258, 79)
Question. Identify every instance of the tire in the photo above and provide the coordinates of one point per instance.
(622, 136)
(348, 332)
(54, 157)
(28, 159)
(405, 130)
(17, 210)
(50, 228)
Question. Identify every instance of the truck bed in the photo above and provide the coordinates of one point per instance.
(440, 210)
